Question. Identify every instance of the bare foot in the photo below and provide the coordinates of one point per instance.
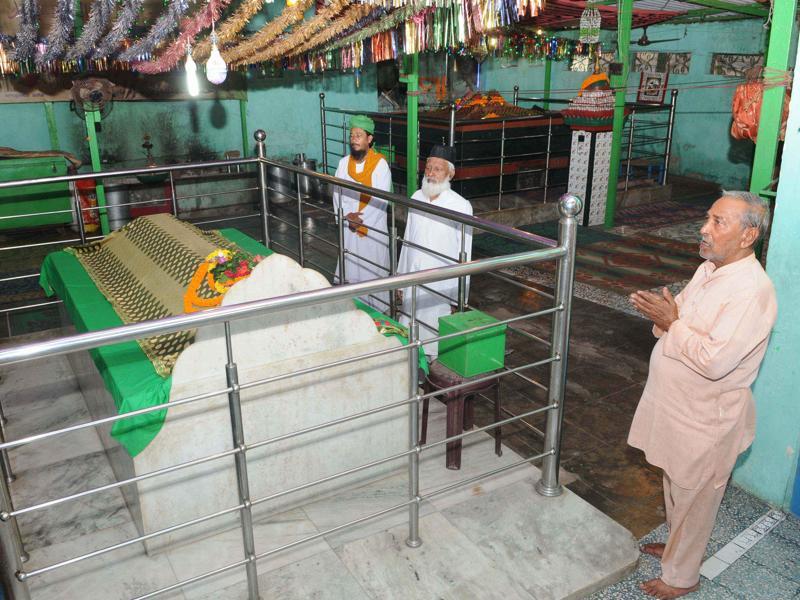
(656, 550)
(662, 591)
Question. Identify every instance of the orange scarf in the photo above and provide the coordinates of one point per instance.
(364, 178)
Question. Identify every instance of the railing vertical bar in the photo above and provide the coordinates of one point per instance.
(79, 214)
(502, 163)
(670, 127)
(172, 195)
(568, 207)
(392, 258)
(547, 156)
(413, 540)
(631, 126)
(12, 554)
(301, 252)
(462, 281)
(240, 460)
(263, 185)
(340, 218)
(324, 127)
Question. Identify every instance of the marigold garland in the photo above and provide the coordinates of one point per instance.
(221, 270)
(267, 34)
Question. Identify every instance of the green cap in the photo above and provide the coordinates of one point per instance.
(363, 122)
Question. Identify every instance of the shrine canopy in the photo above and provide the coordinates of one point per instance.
(216, 36)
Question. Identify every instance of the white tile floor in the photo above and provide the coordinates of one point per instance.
(493, 539)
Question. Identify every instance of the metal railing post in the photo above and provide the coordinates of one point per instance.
(12, 554)
(263, 185)
(340, 218)
(547, 156)
(502, 162)
(516, 95)
(632, 125)
(78, 213)
(324, 129)
(670, 127)
(451, 140)
(172, 195)
(413, 540)
(462, 281)
(568, 207)
(240, 460)
(393, 260)
(8, 474)
(301, 253)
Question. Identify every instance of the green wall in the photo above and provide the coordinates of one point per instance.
(769, 468)
(180, 130)
(287, 108)
(702, 145)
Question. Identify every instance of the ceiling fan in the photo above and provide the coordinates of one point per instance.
(645, 41)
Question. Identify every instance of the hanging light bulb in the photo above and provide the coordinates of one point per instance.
(192, 84)
(216, 69)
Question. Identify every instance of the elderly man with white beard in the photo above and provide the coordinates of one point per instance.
(427, 237)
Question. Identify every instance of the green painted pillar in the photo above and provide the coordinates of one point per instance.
(620, 84)
(412, 122)
(769, 468)
(548, 76)
(245, 138)
(780, 38)
(92, 119)
(52, 130)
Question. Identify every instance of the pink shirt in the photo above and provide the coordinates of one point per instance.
(697, 412)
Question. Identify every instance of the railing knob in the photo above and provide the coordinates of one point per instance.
(260, 135)
(322, 95)
(569, 205)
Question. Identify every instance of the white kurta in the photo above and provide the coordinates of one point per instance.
(439, 235)
(374, 247)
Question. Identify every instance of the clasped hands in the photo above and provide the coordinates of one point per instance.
(661, 308)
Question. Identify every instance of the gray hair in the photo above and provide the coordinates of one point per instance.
(756, 213)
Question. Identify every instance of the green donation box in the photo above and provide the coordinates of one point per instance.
(472, 353)
(36, 202)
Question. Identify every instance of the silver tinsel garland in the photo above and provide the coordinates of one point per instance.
(28, 29)
(119, 30)
(60, 32)
(93, 29)
(163, 27)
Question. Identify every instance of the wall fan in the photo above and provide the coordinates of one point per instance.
(93, 94)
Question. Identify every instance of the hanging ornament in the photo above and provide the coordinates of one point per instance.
(590, 24)
(192, 84)
(216, 69)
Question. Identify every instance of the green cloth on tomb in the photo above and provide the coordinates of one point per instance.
(128, 374)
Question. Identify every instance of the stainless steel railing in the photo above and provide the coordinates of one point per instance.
(506, 148)
(562, 251)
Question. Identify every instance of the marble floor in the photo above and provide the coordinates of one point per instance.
(494, 538)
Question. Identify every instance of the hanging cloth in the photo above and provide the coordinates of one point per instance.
(746, 111)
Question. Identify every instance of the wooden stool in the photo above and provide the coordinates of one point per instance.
(460, 410)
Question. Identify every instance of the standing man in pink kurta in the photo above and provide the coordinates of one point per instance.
(696, 413)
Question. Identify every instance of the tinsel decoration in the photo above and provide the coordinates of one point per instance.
(99, 18)
(28, 30)
(267, 34)
(391, 21)
(590, 25)
(308, 30)
(189, 30)
(119, 30)
(530, 8)
(60, 33)
(230, 28)
(350, 16)
(161, 29)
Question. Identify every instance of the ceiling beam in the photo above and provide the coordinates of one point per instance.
(745, 9)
